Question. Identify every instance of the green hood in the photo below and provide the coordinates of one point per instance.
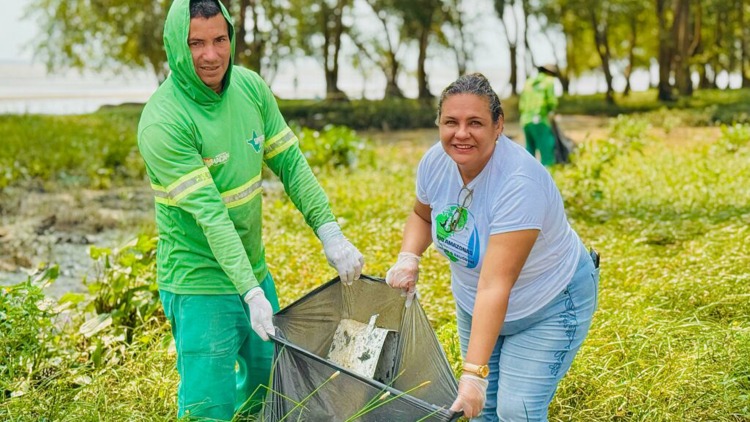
(176, 31)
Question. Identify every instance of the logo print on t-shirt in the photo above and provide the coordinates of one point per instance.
(461, 244)
(256, 141)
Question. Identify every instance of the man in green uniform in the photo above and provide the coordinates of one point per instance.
(204, 136)
(536, 106)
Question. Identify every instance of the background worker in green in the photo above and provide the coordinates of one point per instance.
(536, 107)
(204, 136)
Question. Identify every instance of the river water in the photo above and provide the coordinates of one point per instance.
(27, 88)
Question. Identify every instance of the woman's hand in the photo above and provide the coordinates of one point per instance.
(404, 274)
(472, 393)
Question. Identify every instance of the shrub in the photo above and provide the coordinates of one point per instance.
(592, 159)
(95, 150)
(122, 303)
(31, 344)
(331, 147)
(387, 114)
(734, 137)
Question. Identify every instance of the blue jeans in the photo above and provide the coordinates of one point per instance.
(532, 354)
(220, 359)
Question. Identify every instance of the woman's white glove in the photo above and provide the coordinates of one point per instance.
(472, 393)
(404, 275)
(340, 252)
(261, 313)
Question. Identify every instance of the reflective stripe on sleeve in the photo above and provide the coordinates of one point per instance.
(161, 197)
(184, 186)
(279, 143)
(243, 194)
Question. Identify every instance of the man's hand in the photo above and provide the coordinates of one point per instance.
(472, 393)
(341, 254)
(261, 313)
(404, 275)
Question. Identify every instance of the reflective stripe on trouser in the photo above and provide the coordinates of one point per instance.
(213, 338)
(539, 136)
(533, 353)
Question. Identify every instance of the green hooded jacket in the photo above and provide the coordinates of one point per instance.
(204, 154)
(537, 99)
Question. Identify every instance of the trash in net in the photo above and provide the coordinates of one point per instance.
(357, 353)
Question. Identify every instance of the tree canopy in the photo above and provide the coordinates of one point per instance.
(687, 40)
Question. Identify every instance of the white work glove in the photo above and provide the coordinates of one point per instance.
(472, 393)
(261, 313)
(404, 275)
(341, 254)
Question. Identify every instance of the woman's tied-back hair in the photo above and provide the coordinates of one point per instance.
(204, 9)
(477, 84)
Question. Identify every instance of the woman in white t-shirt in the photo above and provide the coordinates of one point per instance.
(524, 284)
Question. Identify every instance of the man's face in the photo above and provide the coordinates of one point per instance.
(211, 49)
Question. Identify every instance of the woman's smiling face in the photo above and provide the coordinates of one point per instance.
(468, 133)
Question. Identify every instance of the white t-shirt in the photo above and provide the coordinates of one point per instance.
(513, 192)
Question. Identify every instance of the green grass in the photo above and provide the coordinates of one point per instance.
(671, 338)
(93, 150)
(704, 107)
(98, 150)
(669, 342)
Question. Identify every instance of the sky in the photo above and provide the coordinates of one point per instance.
(15, 32)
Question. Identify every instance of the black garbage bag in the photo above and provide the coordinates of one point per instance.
(564, 146)
(413, 382)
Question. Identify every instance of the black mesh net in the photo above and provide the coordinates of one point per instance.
(413, 382)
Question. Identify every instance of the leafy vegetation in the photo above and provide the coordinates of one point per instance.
(100, 151)
(334, 146)
(665, 204)
(95, 150)
(387, 114)
(704, 107)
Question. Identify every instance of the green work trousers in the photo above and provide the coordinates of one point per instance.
(222, 363)
(539, 136)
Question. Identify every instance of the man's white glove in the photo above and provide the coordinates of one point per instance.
(404, 274)
(472, 393)
(261, 313)
(341, 254)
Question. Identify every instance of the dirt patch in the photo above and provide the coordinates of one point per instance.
(59, 227)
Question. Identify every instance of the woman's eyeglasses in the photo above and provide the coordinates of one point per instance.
(465, 195)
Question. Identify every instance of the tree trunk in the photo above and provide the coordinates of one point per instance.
(248, 54)
(744, 35)
(513, 69)
(605, 56)
(526, 7)
(631, 54)
(424, 88)
(703, 82)
(242, 53)
(392, 89)
(571, 57)
(501, 6)
(665, 54)
(601, 41)
(332, 33)
(681, 37)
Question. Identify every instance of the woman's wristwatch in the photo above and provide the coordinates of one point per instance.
(479, 370)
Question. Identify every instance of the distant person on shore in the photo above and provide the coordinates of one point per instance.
(537, 107)
(524, 284)
(204, 135)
